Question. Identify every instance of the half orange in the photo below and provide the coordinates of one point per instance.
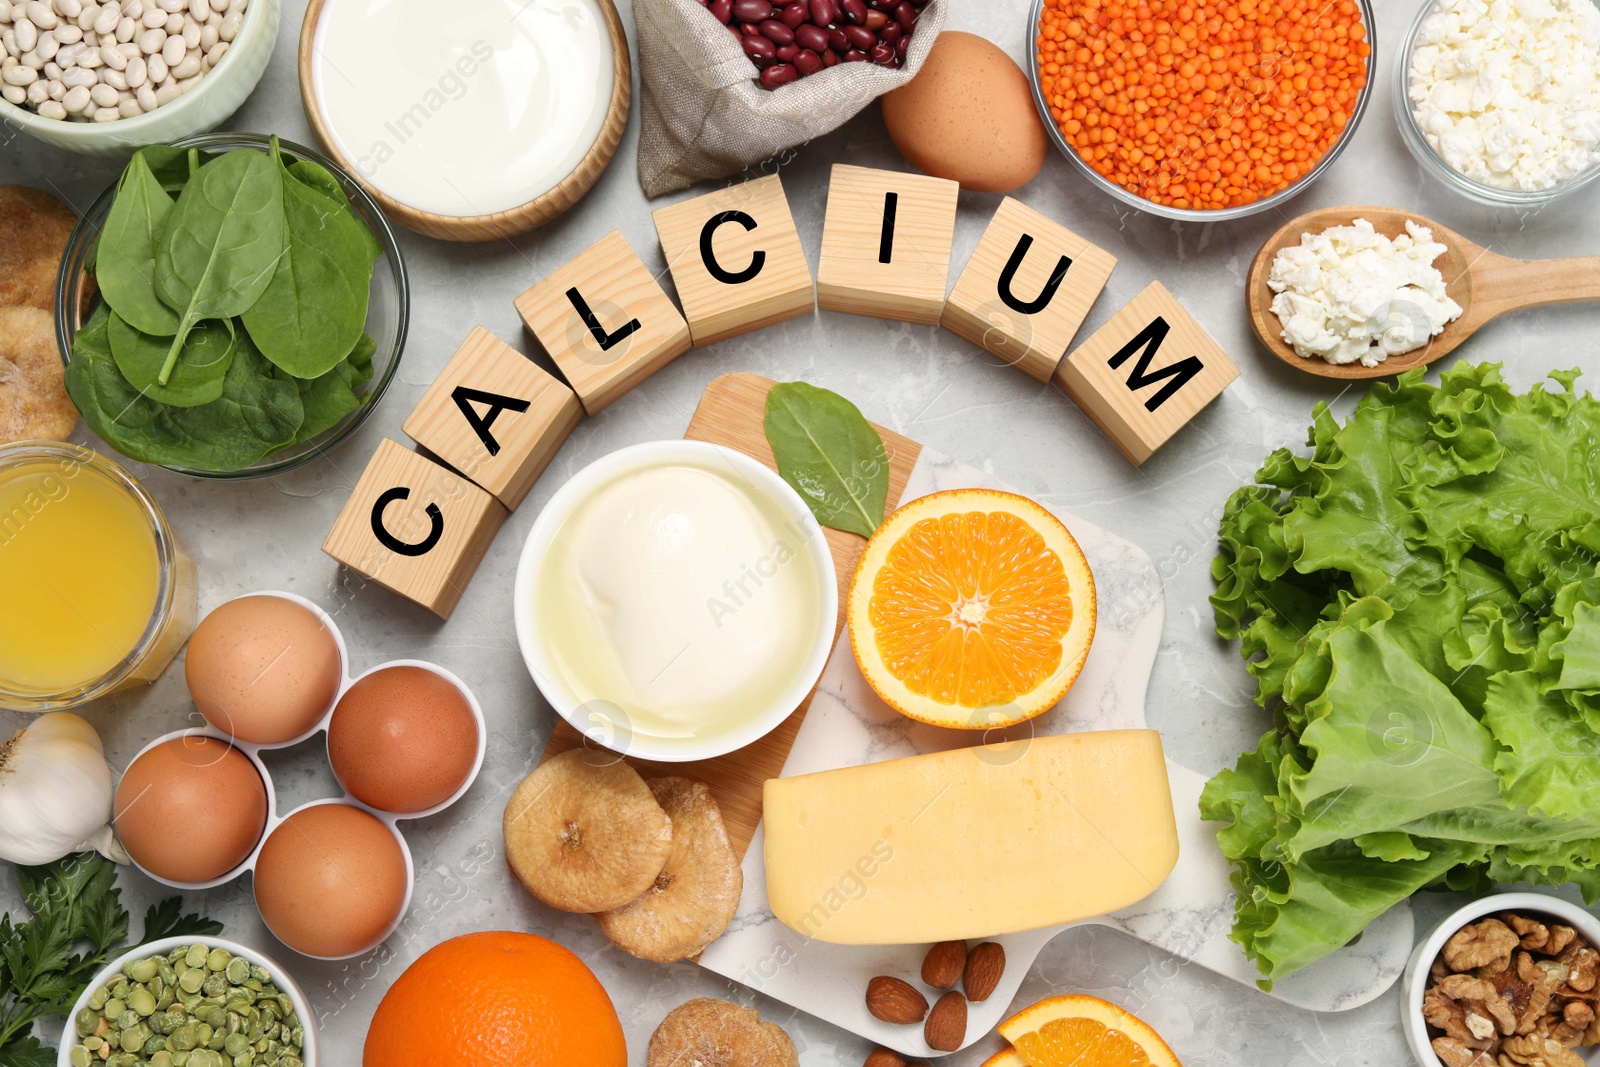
(972, 609)
(1080, 1031)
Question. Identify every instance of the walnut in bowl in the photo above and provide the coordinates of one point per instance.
(1512, 980)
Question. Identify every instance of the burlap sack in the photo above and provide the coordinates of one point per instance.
(705, 116)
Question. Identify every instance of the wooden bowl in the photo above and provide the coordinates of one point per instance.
(508, 223)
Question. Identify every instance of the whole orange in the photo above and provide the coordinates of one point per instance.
(497, 998)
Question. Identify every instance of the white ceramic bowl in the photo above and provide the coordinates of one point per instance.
(204, 107)
(598, 724)
(310, 1054)
(1414, 983)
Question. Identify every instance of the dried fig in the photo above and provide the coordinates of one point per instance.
(714, 1033)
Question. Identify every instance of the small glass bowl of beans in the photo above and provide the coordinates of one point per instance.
(179, 1002)
(791, 39)
(1201, 110)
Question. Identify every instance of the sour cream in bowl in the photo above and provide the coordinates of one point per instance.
(676, 601)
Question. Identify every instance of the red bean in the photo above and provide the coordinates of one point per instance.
(830, 58)
(902, 46)
(860, 37)
(883, 54)
(795, 15)
(808, 62)
(760, 49)
(751, 10)
(787, 53)
(891, 33)
(809, 36)
(876, 20)
(749, 29)
(854, 11)
(905, 15)
(855, 55)
(777, 75)
(838, 41)
(776, 32)
(723, 10)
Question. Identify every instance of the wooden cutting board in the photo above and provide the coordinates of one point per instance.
(732, 413)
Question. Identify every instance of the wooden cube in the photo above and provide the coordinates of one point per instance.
(605, 321)
(495, 416)
(886, 244)
(415, 527)
(1027, 289)
(736, 259)
(1146, 373)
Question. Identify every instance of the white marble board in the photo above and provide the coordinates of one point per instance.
(1189, 916)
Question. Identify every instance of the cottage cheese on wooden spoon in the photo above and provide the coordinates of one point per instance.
(1350, 293)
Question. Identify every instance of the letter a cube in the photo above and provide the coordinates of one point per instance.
(1027, 289)
(1146, 373)
(736, 259)
(493, 415)
(605, 321)
(415, 527)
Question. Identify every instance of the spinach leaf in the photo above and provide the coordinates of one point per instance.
(197, 377)
(830, 454)
(331, 396)
(317, 177)
(173, 167)
(315, 308)
(222, 244)
(256, 415)
(125, 262)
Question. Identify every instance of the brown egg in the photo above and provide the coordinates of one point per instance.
(263, 669)
(191, 809)
(403, 739)
(330, 881)
(968, 116)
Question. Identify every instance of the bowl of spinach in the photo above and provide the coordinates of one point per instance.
(233, 306)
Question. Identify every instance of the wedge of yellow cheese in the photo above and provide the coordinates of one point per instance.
(971, 843)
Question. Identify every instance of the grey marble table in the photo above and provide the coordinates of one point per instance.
(918, 380)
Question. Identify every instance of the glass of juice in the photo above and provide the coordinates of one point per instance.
(96, 593)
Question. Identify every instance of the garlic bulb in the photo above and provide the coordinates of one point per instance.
(55, 793)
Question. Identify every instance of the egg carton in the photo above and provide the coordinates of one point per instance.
(252, 751)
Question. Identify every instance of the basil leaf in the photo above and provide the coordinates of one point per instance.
(222, 244)
(125, 262)
(317, 178)
(314, 310)
(330, 397)
(830, 454)
(196, 378)
(256, 415)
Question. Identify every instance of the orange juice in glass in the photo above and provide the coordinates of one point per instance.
(96, 593)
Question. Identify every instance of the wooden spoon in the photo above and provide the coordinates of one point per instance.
(1484, 283)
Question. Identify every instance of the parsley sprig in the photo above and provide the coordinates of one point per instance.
(78, 924)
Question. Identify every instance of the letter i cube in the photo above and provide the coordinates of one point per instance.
(886, 244)
(605, 321)
(1027, 289)
(1142, 376)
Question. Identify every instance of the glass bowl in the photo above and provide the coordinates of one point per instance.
(1036, 9)
(1430, 160)
(172, 615)
(388, 311)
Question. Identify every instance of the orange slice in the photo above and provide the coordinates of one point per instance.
(1080, 1031)
(972, 609)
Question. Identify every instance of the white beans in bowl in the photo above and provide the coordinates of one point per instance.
(104, 60)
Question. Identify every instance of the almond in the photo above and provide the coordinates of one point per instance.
(944, 964)
(895, 1001)
(884, 1058)
(985, 965)
(946, 1027)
